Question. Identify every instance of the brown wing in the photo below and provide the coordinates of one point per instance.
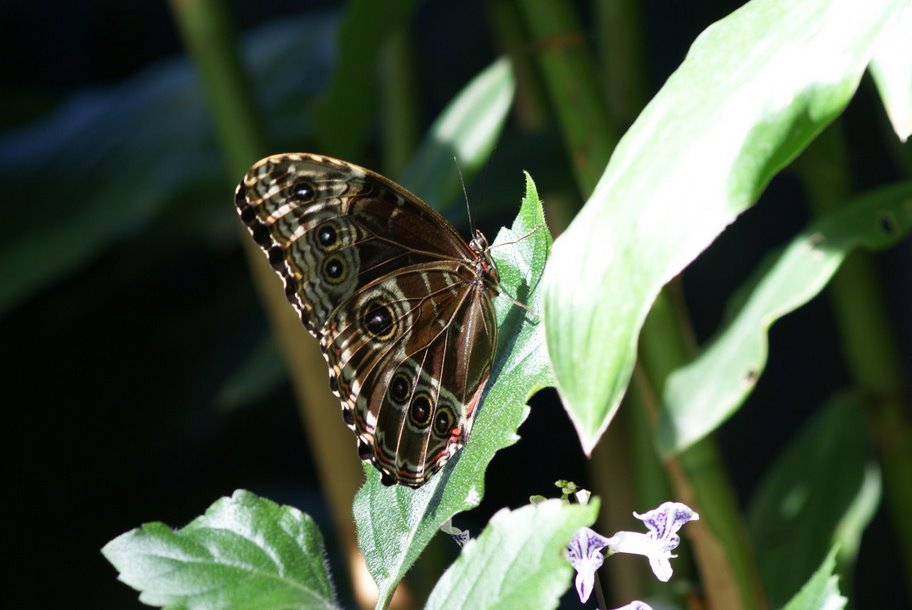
(329, 227)
(409, 356)
(399, 301)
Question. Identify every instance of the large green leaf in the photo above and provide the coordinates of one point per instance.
(396, 523)
(518, 561)
(821, 492)
(701, 395)
(755, 88)
(245, 552)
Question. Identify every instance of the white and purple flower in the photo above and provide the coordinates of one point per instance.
(585, 549)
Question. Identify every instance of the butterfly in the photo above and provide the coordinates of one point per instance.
(402, 306)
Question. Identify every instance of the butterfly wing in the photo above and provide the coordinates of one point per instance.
(329, 227)
(395, 296)
(409, 356)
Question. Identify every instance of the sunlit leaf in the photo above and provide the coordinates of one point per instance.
(465, 133)
(245, 552)
(754, 89)
(892, 71)
(518, 561)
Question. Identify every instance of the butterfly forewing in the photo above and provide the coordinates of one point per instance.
(401, 304)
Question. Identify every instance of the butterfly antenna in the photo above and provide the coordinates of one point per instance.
(527, 235)
(465, 195)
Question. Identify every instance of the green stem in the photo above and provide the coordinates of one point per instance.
(399, 134)
(622, 51)
(209, 38)
(572, 83)
(531, 106)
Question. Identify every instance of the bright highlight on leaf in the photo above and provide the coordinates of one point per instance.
(517, 561)
(245, 552)
(736, 111)
(891, 68)
(464, 133)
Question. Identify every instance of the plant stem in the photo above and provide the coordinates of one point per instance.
(398, 105)
(210, 40)
(622, 52)
(571, 80)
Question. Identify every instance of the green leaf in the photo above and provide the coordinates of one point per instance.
(891, 68)
(396, 523)
(821, 592)
(245, 552)
(698, 397)
(755, 88)
(822, 491)
(466, 130)
(518, 561)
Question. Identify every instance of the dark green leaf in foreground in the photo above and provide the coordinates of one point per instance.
(396, 523)
(245, 552)
(518, 561)
(698, 397)
(821, 592)
(821, 493)
(755, 88)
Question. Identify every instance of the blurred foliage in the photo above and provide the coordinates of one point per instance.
(129, 321)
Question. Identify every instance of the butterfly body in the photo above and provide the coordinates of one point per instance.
(401, 304)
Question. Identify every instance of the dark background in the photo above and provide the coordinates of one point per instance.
(115, 369)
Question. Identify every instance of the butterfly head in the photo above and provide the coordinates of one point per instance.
(484, 264)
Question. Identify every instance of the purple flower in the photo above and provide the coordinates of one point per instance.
(460, 536)
(585, 555)
(663, 523)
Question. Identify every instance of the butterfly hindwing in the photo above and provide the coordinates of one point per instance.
(408, 358)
